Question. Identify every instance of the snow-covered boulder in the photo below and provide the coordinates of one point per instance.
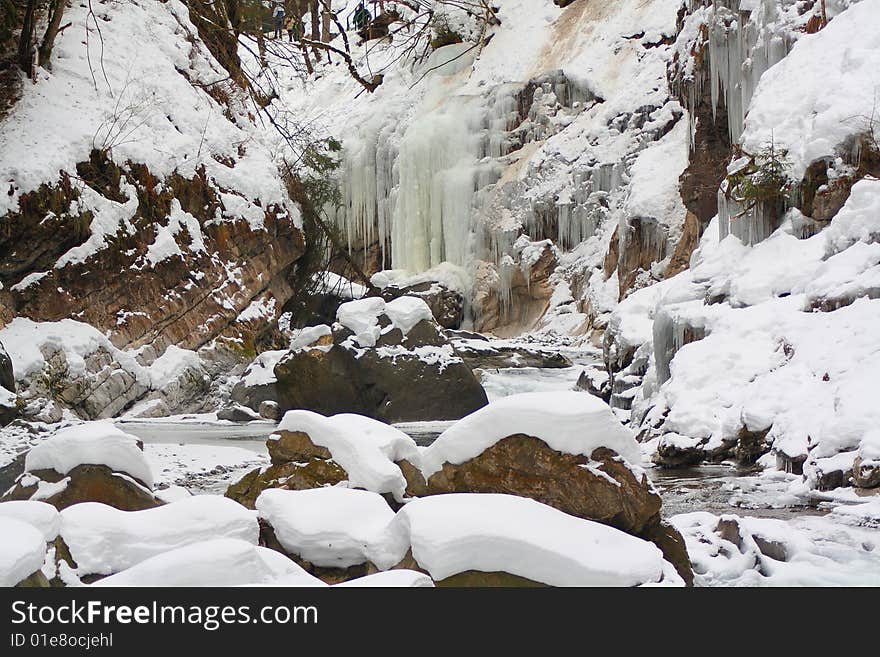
(443, 297)
(388, 361)
(102, 540)
(564, 449)
(399, 578)
(329, 527)
(89, 462)
(218, 562)
(40, 515)
(22, 550)
(310, 450)
(257, 384)
(458, 536)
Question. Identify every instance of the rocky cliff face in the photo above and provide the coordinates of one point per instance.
(154, 213)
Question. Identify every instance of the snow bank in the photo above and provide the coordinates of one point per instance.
(105, 540)
(22, 550)
(219, 562)
(367, 449)
(451, 534)
(805, 551)
(95, 443)
(569, 422)
(330, 527)
(44, 517)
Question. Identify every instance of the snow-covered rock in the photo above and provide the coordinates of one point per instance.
(367, 449)
(401, 578)
(389, 361)
(218, 562)
(569, 422)
(92, 443)
(21, 551)
(44, 517)
(104, 540)
(330, 527)
(453, 534)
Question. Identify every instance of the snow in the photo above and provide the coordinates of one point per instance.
(262, 370)
(451, 534)
(21, 550)
(405, 312)
(653, 191)
(105, 540)
(171, 364)
(331, 283)
(95, 443)
(830, 78)
(139, 94)
(26, 342)
(391, 579)
(446, 274)
(806, 551)
(308, 336)
(44, 517)
(569, 422)
(362, 317)
(219, 562)
(31, 345)
(365, 448)
(329, 527)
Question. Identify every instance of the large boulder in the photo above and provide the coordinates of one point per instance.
(566, 450)
(312, 451)
(90, 462)
(387, 361)
(599, 487)
(508, 540)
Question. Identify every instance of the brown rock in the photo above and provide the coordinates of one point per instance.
(294, 446)
(671, 543)
(89, 483)
(689, 240)
(865, 475)
(472, 578)
(305, 475)
(526, 466)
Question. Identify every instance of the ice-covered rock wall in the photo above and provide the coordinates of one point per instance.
(760, 351)
(456, 159)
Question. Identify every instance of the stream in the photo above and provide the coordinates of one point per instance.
(208, 455)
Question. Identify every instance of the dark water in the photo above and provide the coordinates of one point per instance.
(723, 489)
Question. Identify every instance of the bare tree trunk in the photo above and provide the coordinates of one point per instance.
(51, 32)
(26, 41)
(326, 17)
(316, 25)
